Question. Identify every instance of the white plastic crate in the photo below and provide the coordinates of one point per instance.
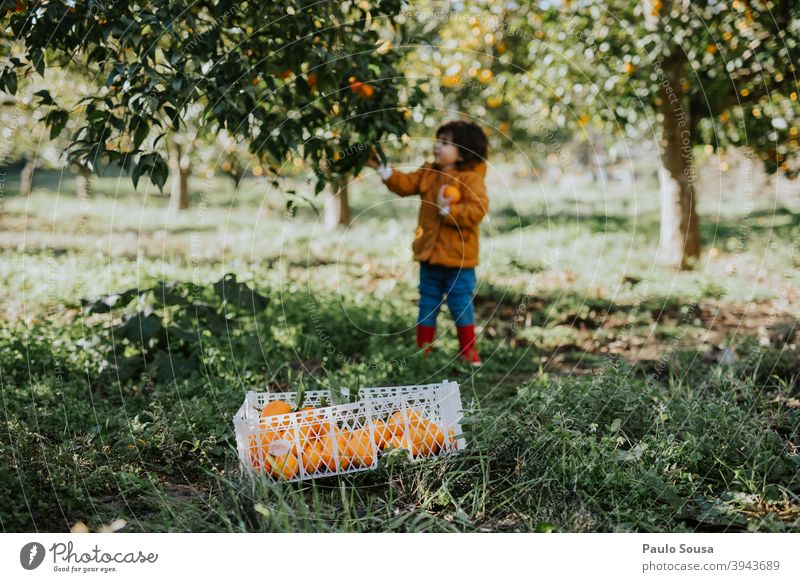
(347, 438)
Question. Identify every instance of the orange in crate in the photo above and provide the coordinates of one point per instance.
(361, 448)
(333, 446)
(382, 434)
(423, 439)
(312, 424)
(287, 445)
(282, 466)
(274, 408)
(312, 457)
(259, 445)
(397, 423)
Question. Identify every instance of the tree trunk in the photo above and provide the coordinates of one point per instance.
(237, 178)
(179, 198)
(337, 205)
(83, 183)
(26, 178)
(679, 244)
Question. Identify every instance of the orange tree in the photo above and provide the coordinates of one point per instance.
(287, 78)
(699, 72)
(457, 67)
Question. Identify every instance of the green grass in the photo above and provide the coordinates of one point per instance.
(607, 402)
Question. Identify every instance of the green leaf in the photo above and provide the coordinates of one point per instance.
(301, 394)
(56, 120)
(45, 98)
(139, 328)
(171, 293)
(11, 82)
(36, 57)
(157, 167)
(336, 389)
(140, 133)
(239, 294)
(106, 303)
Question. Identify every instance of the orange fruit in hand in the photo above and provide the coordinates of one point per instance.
(361, 448)
(453, 193)
(282, 466)
(382, 434)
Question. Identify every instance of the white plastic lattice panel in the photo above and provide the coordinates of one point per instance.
(334, 440)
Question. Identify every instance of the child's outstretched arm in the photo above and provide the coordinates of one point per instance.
(473, 206)
(401, 183)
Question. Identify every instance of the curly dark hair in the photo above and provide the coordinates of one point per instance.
(470, 140)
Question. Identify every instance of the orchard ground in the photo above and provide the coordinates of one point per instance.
(615, 395)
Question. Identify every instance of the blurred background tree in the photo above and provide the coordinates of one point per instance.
(284, 78)
(708, 72)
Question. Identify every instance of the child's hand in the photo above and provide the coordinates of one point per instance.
(443, 201)
(373, 161)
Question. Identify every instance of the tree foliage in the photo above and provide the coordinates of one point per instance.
(288, 78)
(603, 61)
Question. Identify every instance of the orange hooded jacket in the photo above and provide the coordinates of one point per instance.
(450, 241)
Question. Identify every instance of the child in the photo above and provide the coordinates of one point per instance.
(446, 242)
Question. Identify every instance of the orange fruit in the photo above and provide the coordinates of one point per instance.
(360, 88)
(312, 458)
(333, 446)
(397, 424)
(287, 73)
(355, 84)
(366, 91)
(426, 438)
(275, 407)
(282, 466)
(423, 439)
(360, 448)
(397, 442)
(312, 424)
(259, 445)
(382, 434)
(312, 80)
(453, 193)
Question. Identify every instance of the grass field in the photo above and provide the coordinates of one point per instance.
(615, 395)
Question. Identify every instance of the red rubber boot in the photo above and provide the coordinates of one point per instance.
(466, 339)
(425, 334)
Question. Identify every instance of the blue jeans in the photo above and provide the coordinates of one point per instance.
(458, 285)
